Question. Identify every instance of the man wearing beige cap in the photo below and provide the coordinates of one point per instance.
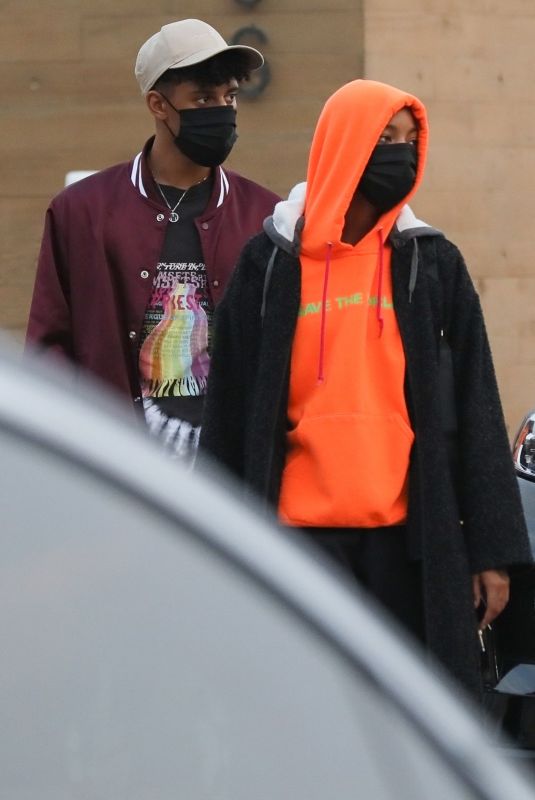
(135, 258)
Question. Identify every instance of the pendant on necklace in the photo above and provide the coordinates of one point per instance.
(174, 217)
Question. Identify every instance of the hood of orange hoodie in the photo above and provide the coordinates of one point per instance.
(313, 217)
(346, 134)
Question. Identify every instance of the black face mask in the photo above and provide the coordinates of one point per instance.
(389, 175)
(206, 135)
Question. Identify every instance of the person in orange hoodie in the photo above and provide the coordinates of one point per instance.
(349, 339)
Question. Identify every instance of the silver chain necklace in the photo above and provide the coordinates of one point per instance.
(174, 217)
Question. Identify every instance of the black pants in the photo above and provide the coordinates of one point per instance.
(378, 559)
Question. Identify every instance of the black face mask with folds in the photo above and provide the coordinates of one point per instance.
(206, 135)
(389, 175)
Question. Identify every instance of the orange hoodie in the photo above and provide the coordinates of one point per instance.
(349, 437)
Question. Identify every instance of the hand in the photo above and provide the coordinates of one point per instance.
(492, 588)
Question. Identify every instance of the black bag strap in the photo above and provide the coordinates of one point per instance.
(446, 375)
(267, 280)
(448, 403)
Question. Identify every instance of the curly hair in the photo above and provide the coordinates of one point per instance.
(215, 71)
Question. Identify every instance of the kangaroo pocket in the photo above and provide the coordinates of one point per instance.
(346, 470)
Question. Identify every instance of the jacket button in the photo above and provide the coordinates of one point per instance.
(160, 217)
(132, 335)
(215, 283)
(205, 226)
(144, 273)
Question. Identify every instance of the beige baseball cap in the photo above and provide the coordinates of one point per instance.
(181, 44)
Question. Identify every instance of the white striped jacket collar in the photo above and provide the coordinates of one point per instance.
(137, 171)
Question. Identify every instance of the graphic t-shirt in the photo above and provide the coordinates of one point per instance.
(174, 355)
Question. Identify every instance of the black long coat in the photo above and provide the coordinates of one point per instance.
(246, 416)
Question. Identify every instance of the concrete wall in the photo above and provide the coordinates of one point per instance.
(70, 100)
(472, 63)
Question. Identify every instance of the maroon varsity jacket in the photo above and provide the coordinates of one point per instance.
(102, 241)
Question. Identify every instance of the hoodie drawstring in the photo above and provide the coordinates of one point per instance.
(321, 375)
(380, 258)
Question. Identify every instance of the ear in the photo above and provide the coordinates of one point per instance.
(157, 105)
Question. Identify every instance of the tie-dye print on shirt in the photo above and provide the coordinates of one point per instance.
(174, 357)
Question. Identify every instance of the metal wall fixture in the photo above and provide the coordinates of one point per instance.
(248, 3)
(253, 36)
